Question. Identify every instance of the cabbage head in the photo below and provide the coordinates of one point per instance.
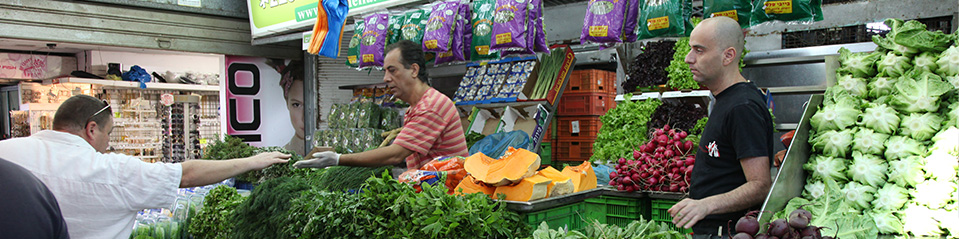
(926, 62)
(919, 92)
(867, 169)
(860, 64)
(933, 193)
(838, 115)
(881, 86)
(827, 168)
(918, 221)
(890, 197)
(888, 43)
(952, 115)
(853, 85)
(906, 172)
(893, 65)
(814, 188)
(953, 79)
(949, 62)
(920, 126)
(887, 222)
(833, 143)
(836, 93)
(900, 147)
(946, 141)
(868, 141)
(941, 166)
(881, 118)
(859, 196)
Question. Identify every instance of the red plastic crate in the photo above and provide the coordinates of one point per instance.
(592, 81)
(591, 104)
(573, 149)
(578, 127)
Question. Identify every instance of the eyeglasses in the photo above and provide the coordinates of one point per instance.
(98, 111)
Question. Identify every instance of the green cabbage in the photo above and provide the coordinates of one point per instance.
(833, 143)
(918, 221)
(854, 85)
(858, 64)
(888, 44)
(881, 118)
(900, 147)
(826, 168)
(893, 65)
(913, 34)
(933, 193)
(954, 80)
(920, 126)
(813, 189)
(867, 169)
(887, 222)
(859, 196)
(949, 62)
(869, 142)
(881, 86)
(906, 172)
(830, 209)
(838, 115)
(941, 166)
(919, 92)
(926, 61)
(952, 115)
(890, 197)
(946, 141)
(836, 93)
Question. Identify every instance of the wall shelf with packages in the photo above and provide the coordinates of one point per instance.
(133, 85)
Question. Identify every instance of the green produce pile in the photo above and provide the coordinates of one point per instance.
(282, 170)
(624, 128)
(885, 140)
(638, 229)
(216, 218)
(264, 213)
(549, 70)
(343, 178)
(230, 148)
(680, 77)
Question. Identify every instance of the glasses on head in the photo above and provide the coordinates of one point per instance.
(107, 106)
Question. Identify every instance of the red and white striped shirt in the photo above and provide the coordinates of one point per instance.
(431, 128)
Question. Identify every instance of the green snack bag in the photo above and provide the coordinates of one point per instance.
(739, 10)
(414, 24)
(395, 28)
(786, 10)
(354, 50)
(482, 22)
(664, 18)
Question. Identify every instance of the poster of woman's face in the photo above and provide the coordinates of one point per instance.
(264, 101)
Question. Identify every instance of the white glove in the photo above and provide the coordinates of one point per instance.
(320, 160)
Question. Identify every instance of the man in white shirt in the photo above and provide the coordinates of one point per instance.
(100, 193)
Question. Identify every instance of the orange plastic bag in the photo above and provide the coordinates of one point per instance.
(448, 170)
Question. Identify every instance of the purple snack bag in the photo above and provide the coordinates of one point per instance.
(510, 26)
(466, 14)
(373, 40)
(539, 41)
(604, 21)
(456, 50)
(632, 16)
(440, 27)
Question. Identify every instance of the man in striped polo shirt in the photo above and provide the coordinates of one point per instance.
(431, 127)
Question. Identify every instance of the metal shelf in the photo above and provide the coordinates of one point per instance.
(134, 85)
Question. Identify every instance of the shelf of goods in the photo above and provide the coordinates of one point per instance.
(133, 85)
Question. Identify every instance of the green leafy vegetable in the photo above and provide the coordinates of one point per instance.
(861, 64)
(893, 65)
(881, 86)
(813, 189)
(946, 142)
(890, 197)
(264, 214)
(624, 128)
(920, 126)
(881, 118)
(869, 142)
(342, 178)
(949, 62)
(859, 196)
(216, 218)
(919, 92)
(926, 62)
(230, 148)
(887, 222)
(842, 112)
(853, 85)
(933, 193)
(680, 77)
(867, 169)
(900, 147)
(833, 143)
(913, 34)
(918, 221)
(906, 172)
(826, 168)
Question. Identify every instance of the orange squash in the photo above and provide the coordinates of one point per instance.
(530, 188)
(560, 185)
(583, 176)
(468, 185)
(515, 165)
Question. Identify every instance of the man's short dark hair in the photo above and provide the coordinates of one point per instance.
(76, 112)
(410, 53)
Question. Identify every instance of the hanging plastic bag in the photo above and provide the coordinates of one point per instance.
(395, 29)
(439, 29)
(664, 18)
(328, 30)
(137, 74)
(353, 52)
(739, 10)
(604, 21)
(374, 40)
(510, 26)
(456, 50)
(539, 38)
(496, 144)
(414, 24)
(629, 23)
(786, 10)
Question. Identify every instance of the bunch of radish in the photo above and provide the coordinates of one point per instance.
(797, 227)
(664, 164)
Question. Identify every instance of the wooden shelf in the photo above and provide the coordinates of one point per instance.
(134, 85)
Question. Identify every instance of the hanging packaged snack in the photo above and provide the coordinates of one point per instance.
(786, 10)
(738, 10)
(456, 50)
(353, 52)
(395, 30)
(536, 15)
(414, 24)
(374, 40)
(440, 27)
(466, 13)
(664, 18)
(629, 23)
(604, 21)
(510, 26)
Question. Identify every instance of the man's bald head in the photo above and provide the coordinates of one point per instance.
(725, 31)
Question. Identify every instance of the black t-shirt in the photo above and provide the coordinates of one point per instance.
(29, 209)
(739, 127)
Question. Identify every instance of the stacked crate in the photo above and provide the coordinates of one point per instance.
(588, 95)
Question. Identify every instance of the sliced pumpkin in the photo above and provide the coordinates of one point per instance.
(560, 185)
(515, 165)
(583, 176)
(530, 188)
(469, 185)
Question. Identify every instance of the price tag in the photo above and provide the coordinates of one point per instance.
(166, 99)
(574, 126)
(203, 141)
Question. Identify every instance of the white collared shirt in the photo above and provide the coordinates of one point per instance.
(99, 194)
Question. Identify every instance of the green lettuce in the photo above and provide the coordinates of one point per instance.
(881, 118)
(913, 34)
(869, 142)
(952, 115)
(919, 92)
(867, 169)
(893, 65)
(854, 85)
(888, 43)
(860, 64)
(890, 197)
(906, 172)
(826, 168)
(833, 143)
(949, 62)
(859, 196)
(814, 188)
(918, 221)
(933, 193)
(926, 62)
(887, 222)
(881, 86)
(837, 217)
(900, 147)
(920, 126)
(838, 115)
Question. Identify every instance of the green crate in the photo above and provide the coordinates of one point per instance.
(615, 210)
(545, 153)
(569, 216)
(660, 213)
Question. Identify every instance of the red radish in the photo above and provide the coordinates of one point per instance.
(613, 174)
(636, 178)
(666, 127)
(676, 177)
(627, 181)
(674, 170)
(690, 161)
(689, 145)
(620, 187)
(644, 175)
(613, 182)
(658, 155)
(658, 132)
(668, 153)
(621, 161)
(652, 181)
(660, 149)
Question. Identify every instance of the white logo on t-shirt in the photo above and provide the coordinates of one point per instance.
(713, 149)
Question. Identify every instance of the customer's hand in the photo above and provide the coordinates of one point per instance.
(688, 212)
(263, 160)
(320, 160)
